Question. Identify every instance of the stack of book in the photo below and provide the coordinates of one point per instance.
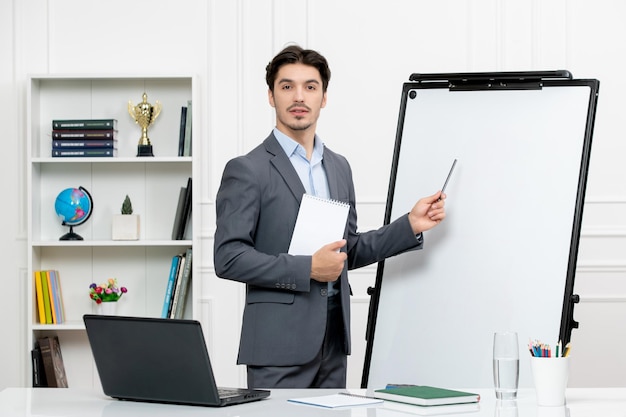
(177, 286)
(48, 367)
(84, 138)
(49, 298)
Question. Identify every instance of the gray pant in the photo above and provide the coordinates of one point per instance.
(326, 370)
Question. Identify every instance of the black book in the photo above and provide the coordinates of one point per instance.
(83, 143)
(186, 211)
(180, 207)
(74, 124)
(84, 134)
(52, 360)
(181, 134)
(39, 374)
(84, 153)
(183, 212)
(188, 131)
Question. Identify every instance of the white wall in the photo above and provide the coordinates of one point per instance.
(372, 47)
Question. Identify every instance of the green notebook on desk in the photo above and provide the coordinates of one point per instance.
(425, 395)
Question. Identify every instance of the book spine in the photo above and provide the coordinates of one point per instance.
(87, 153)
(53, 296)
(176, 292)
(45, 345)
(99, 124)
(39, 293)
(170, 287)
(37, 364)
(85, 134)
(57, 361)
(54, 281)
(60, 295)
(188, 131)
(46, 296)
(182, 293)
(178, 218)
(180, 235)
(181, 133)
(82, 143)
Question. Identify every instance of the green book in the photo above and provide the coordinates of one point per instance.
(46, 296)
(425, 395)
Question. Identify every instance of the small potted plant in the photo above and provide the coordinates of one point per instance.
(106, 295)
(126, 224)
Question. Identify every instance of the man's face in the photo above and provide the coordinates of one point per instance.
(298, 97)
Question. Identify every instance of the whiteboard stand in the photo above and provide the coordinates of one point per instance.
(505, 257)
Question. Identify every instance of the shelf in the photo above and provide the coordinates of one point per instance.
(153, 185)
(113, 243)
(72, 325)
(114, 160)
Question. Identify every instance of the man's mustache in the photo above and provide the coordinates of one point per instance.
(298, 106)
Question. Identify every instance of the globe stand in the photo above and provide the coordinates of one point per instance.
(70, 205)
(71, 235)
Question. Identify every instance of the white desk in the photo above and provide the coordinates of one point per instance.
(49, 402)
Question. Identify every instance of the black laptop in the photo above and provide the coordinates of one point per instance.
(158, 360)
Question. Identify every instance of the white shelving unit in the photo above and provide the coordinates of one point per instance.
(152, 183)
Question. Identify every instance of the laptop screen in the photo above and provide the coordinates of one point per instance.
(149, 359)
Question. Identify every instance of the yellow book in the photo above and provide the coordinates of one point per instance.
(51, 295)
(39, 292)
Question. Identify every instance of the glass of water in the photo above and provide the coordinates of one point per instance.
(505, 365)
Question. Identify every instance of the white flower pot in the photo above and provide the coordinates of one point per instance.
(125, 227)
(107, 308)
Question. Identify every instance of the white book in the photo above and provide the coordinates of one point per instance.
(320, 221)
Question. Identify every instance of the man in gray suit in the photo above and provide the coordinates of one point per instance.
(296, 322)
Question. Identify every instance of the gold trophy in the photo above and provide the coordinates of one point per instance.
(144, 115)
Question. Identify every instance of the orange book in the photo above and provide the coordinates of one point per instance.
(39, 293)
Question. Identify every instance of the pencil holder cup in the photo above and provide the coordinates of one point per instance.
(550, 377)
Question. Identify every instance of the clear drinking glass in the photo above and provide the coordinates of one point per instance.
(505, 365)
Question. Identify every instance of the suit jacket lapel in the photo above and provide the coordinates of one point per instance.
(284, 167)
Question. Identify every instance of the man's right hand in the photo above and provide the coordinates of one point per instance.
(328, 262)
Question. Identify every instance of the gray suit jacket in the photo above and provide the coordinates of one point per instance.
(257, 205)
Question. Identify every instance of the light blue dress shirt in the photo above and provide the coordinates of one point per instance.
(312, 173)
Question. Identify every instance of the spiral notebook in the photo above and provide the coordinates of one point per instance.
(320, 221)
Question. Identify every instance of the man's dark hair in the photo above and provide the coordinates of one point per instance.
(294, 54)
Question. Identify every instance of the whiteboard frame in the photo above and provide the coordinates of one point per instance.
(507, 81)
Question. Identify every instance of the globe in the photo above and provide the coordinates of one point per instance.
(73, 206)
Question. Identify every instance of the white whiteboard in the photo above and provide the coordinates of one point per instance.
(500, 259)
